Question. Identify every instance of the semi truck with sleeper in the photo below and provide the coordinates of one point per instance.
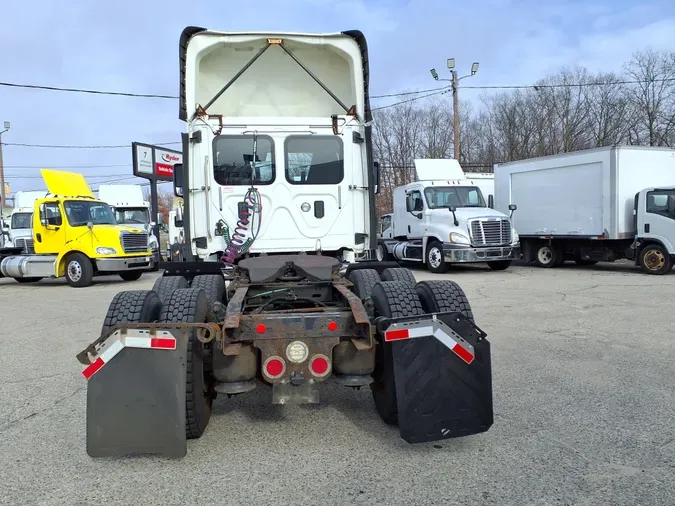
(21, 219)
(279, 288)
(76, 236)
(597, 205)
(444, 219)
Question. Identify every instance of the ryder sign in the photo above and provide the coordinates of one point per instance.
(154, 162)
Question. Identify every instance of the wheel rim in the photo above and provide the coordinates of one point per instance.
(380, 253)
(545, 255)
(435, 257)
(74, 270)
(654, 260)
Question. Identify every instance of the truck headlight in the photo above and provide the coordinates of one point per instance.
(106, 251)
(459, 238)
(514, 236)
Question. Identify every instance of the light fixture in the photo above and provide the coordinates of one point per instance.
(474, 68)
(434, 74)
(451, 63)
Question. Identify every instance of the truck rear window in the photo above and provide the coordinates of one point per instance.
(233, 154)
(314, 159)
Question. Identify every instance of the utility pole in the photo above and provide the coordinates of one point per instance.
(2, 169)
(455, 98)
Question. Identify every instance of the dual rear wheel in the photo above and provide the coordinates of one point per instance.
(396, 294)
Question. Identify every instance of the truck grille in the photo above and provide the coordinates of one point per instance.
(490, 231)
(26, 243)
(134, 243)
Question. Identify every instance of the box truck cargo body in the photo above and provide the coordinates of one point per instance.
(594, 205)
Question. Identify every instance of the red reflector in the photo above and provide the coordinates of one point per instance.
(393, 335)
(463, 353)
(275, 367)
(319, 366)
(164, 343)
(260, 329)
(332, 326)
(91, 369)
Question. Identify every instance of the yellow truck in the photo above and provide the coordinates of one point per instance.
(76, 236)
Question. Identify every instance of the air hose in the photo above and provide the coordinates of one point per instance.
(251, 211)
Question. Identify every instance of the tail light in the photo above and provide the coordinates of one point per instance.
(320, 365)
(274, 367)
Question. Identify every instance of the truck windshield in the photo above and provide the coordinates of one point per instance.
(132, 216)
(458, 196)
(81, 212)
(21, 220)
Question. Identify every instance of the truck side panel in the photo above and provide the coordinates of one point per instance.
(559, 200)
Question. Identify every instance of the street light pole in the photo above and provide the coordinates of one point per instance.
(455, 98)
(2, 169)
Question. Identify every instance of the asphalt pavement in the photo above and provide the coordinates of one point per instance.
(583, 376)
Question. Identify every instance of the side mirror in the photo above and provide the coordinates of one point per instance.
(454, 216)
(178, 180)
(178, 219)
(43, 216)
(452, 209)
(491, 201)
(376, 169)
(153, 224)
(512, 207)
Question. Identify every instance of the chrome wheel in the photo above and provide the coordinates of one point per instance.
(74, 271)
(435, 257)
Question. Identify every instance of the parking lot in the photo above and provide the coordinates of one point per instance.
(583, 376)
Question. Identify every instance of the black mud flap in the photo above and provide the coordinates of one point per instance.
(136, 395)
(443, 376)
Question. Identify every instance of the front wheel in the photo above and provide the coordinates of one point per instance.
(79, 270)
(654, 259)
(499, 265)
(131, 275)
(435, 259)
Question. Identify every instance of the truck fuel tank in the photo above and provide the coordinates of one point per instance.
(28, 266)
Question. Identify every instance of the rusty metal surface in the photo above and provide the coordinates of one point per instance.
(296, 326)
(234, 308)
(277, 347)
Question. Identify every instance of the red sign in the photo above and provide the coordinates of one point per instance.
(164, 162)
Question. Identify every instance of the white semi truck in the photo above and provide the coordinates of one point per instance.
(131, 208)
(443, 219)
(279, 186)
(21, 219)
(604, 204)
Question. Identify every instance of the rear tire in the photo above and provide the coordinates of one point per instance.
(399, 274)
(132, 306)
(364, 280)
(79, 270)
(391, 299)
(499, 265)
(213, 286)
(546, 256)
(190, 305)
(382, 253)
(131, 275)
(166, 285)
(655, 259)
(440, 296)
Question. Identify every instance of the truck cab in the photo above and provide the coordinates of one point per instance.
(654, 218)
(444, 219)
(77, 237)
(21, 218)
(131, 208)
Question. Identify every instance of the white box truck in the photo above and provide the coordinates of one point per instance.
(603, 204)
(444, 219)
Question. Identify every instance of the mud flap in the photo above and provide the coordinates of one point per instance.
(443, 376)
(136, 395)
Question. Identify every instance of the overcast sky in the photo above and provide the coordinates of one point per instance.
(133, 46)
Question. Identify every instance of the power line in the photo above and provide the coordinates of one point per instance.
(48, 166)
(82, 90)
(77, 146)
(14, 176)
(445, 90)
(568, 85)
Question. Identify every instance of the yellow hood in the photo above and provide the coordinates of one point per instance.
(66, 184)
